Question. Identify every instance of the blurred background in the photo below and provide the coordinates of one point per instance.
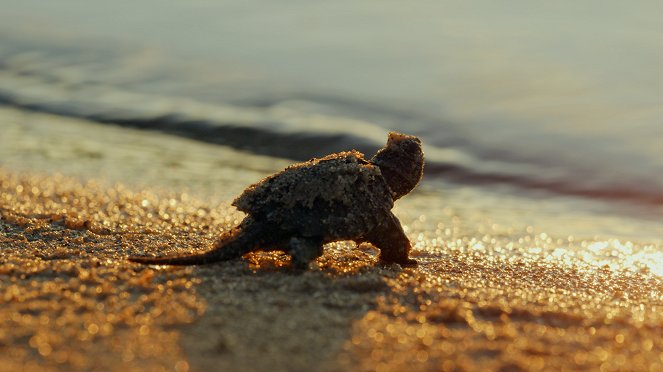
(561, 97)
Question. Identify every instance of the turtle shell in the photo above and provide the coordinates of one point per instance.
(340, 196)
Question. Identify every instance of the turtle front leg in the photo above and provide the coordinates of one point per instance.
(303, 251)
(390, 238)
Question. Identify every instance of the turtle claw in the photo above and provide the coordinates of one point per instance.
(303, 251)
(410, 263)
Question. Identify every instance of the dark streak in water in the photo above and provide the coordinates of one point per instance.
(305, 145)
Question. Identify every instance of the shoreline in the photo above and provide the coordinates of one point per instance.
(481, 298)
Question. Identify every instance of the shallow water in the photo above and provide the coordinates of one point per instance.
(559, 97)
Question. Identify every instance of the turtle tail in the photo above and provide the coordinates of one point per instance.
(233, 244)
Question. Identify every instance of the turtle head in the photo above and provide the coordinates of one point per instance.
(401, 162)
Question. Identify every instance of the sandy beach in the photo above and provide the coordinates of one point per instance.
(502, 283)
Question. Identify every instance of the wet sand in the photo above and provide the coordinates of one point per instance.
(501, 285)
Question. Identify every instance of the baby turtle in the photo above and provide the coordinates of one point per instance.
(341, 196)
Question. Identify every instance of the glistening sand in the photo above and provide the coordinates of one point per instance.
(503, 282)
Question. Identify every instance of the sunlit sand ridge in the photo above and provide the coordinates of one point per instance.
(71, 298)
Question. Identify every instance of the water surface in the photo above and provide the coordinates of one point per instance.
(559, 97)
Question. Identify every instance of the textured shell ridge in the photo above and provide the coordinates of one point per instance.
(321, 195)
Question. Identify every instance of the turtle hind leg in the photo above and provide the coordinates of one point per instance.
(390, 238)
(303, 251)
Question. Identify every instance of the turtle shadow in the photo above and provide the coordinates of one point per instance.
(263, 315)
